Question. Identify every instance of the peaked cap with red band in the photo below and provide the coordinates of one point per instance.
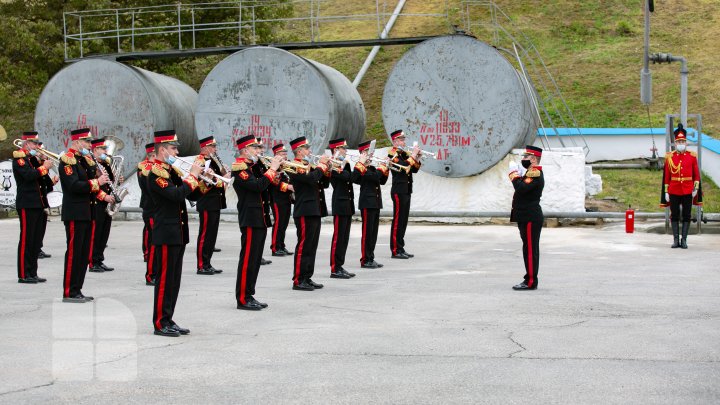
(245, 141)
(149, 148)
(279, 148)
(298, 142)
(209, 141)
(680, 132)
(30, 136)
(169, 137)
(98, 143)
(82, 133)
(532, 150)
(397, 134)
(338, 143)
(364, 146)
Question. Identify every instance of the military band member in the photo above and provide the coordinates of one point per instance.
(30, 207)
(400, 192)
(307, 214)
(208, 206)
(170, 233)
(370, 178)
(80, 190)
(681, 186)
(47, 184)
(147, 205)
(259, 170)
(281, 206)
(526, 211)
(343, 208)
(251, 218)
(102, 221)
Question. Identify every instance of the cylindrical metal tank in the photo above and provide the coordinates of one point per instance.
(277, 96)
(121, 102)
(460, 99)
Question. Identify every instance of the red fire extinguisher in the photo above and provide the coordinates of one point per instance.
(629, 220)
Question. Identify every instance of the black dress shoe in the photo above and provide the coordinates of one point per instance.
(250, 306)
(303, 286)
(340, 274)
(167, 331)
(217, 250)
(400, 255)
(262, 304)
(287, 252)
(182, 331)
(407, 254)
(96, 269)
(86, 297)
(346, 272)
(205, 272)
(40, 279)
(372, 264)
(214, 270)
(263, 261)
(106, 268)
(278, 253)
(149, 282)
(315, 285)
(43, 255)
(523, 286)
(78, 299)
(27, 280)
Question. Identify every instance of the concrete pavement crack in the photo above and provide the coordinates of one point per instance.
(27, 388)
(37, 308)
(522, 348)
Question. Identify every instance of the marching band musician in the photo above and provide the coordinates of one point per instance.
(343, 208)
(370, 179)
(102, 221)
(30, 205)
(208, 207)
(307, 214)
(259, 170)
(681, 186)
(47, 184)
(282, 200)
(147, 205)
(80, 190)
(170, 232)
(401, 191)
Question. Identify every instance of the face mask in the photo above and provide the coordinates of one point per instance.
(170, 160)
(681, 147)
(85, 152)
(33, 152)
(254, 158)
(103, 156)
(525, 163)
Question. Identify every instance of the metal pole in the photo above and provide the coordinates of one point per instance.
(132, 32)
(240, 23)
(683, 91)
(699, 208)
(117, 29)
(179, 29)
(254, 38)
(81, 37)
(312, 24)
(65, 36)
(192, 16)
(376, 49)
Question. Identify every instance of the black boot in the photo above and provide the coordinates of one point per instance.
(676, 236)
(685, 229)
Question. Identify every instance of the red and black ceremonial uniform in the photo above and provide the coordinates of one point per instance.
(46, 186)
(307, 213)
(400, 192)
(259, 170)
(80, 191)
(343, 208)
(170, 234)
(253, 223)
(148, 206)
(209, 204)
(30, 203)
(282, 200)
(102, 221)
(370, 179)
(528, 214)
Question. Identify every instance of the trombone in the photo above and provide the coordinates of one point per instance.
(46, 154)
(212, 181)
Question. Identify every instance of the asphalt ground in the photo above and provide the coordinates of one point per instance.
(617, 318)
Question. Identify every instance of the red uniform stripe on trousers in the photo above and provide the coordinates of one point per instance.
(396, 219)
(23, 236)
(201, 265)
(276, 212)
(92, 242)
(151, 256)
(336, 221)
(68, 265)
(362, 240)
(531, 270)
(246, 260)
(298, 258)
(146, 248)
(161, 289)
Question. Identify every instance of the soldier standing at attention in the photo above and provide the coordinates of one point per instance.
(147, 206)
(47, 184)
(30, 206)
(401, 191)
(343, 208)
(80, 189)
(208, 206)
(259, 170)
(370, 179)
(526, 211)
(102, 221)
(282, 201)
(168, 191)
(681, 186)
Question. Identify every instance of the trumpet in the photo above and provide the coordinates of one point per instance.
(423, 153)
(335, 164)
(212, 181)
(285, 166)
(46, 154)
(396, 167)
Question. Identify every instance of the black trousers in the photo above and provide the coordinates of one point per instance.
(100, 233)
(253, 242)
(530, 235)
(32, 224)
(168, 262)
(146, 236)
(341, 237)
(401, 212)
(308, 235)
(207, 236)
(676, 203)
(370, 225)
(281, 212)
(150, 265)
(77, 236)
(44, 222)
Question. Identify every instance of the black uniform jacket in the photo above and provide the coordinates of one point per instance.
(307, 190)
(46, 183)
(29, 180)
(370, 179)
(212, 198)
(143, 171)
(343, 197)
(168, 191)
(526, 200)
(401, 181)
(79, 185)
(106, 164)
(249, 189)
(280, 193)
(322, 185)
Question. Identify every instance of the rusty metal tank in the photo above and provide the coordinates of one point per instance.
(121, 102)
(462, 100)
(277, 96)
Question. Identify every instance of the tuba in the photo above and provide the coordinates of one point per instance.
(116, 167)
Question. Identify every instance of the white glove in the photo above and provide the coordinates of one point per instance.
(522, 171)
(513, 167)
(667, 197)
(694, 193)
